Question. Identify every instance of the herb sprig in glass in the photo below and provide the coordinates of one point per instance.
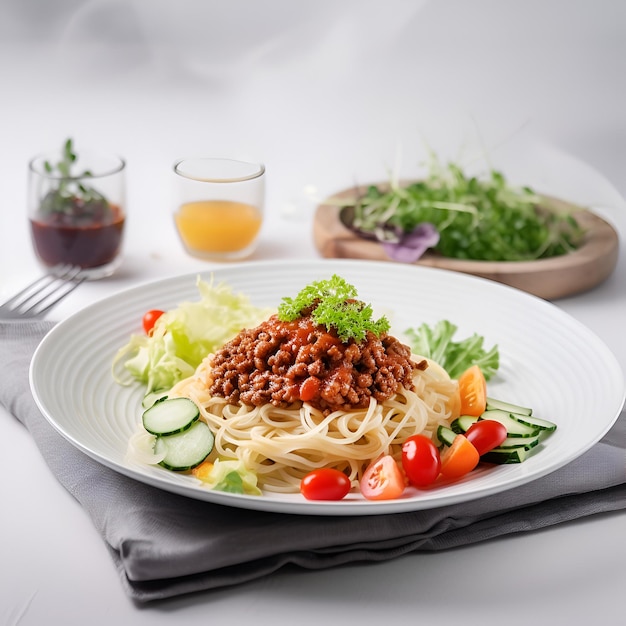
(69, 196)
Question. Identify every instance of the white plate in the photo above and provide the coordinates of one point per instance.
(548, 361)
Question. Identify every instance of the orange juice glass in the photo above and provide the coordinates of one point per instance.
(219, 207)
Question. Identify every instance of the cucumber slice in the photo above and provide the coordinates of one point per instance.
(519, 442)
(492, 403)
(170, 416)
(446, 435)
(534, 422)
(154, 396)
(461, 424)
(184, 451)
(513, 427)
(502, 456)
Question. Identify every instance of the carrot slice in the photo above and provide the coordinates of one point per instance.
(473, 391)
(459, 459)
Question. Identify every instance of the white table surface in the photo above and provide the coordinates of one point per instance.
(325, 95)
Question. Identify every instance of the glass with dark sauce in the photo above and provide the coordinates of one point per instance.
(76, 209)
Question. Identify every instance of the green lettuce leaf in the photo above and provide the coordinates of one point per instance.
(436, 343)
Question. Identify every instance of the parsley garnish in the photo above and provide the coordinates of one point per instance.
(336, 307)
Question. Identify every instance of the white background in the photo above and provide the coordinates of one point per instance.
(326, 93)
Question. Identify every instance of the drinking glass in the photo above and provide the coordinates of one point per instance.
(76, 209)
(219, 205)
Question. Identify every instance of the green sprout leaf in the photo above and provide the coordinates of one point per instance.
(482, 219)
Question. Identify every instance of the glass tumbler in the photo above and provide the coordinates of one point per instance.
(76, 209)
(219, 206)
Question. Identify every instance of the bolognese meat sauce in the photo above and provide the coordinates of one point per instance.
(282, 362)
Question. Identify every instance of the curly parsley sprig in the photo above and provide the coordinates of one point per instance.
(336, 307)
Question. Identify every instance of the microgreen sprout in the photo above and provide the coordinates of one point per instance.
(477, 218)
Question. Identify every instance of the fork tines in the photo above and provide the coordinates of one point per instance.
(42, 294)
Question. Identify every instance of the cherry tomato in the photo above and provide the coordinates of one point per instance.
(325, 483)
(150, 318)
(382, 480)
(460, 458)
(473, 391)
(420, 460)
(310, 388)
(486, 435)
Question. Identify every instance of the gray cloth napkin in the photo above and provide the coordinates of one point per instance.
(164, 545)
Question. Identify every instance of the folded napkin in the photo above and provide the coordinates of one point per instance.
(164, 545)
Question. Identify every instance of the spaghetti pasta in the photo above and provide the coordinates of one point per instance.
(282, 444)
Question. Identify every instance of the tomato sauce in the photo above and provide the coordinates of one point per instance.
(59, 238)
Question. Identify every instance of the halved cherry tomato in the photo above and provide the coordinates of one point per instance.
(383, 479)
(460, 458)
(420, 460)
(325, 483)
(486, 435)
(473, 391)
(150, 318)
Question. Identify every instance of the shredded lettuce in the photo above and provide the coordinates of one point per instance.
(435, 342)
(233, 477)
(184, 336)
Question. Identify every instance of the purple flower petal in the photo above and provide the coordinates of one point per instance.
(413, 245)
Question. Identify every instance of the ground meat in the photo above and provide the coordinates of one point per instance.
(283, 362)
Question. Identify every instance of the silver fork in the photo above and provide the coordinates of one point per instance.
(41, 295)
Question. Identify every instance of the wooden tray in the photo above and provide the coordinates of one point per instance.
(550, 279)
